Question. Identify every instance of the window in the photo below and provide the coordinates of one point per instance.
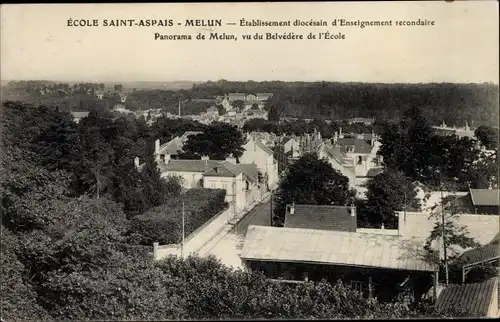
(357, 286)
(224, 186)
(212, 185)
(360, 159)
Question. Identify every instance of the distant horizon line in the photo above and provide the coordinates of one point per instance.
(241, 81)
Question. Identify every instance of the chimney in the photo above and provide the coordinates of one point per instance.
(382, 226)
(205, 158)
(136, 162)
(373, 139)
(167, 158)
(292, 208)
(353, 210)
(335, 137)
(231, 159)
(157, 146)
(341, 135)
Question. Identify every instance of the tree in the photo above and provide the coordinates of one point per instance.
(418, 135)
(19, 299)
(118, 87)
(483, 172)
(393, 148)
(450, 235)
(218, 141)
(255, 106)
(313, 181)
(273, 114)
(389, 192)
(239, 105)
(488, 136)
(221, 109)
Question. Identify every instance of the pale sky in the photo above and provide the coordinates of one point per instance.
(463, 46)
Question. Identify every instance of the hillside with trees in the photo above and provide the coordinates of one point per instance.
(452, 103)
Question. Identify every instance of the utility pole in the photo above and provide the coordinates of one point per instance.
(183, 230)
(443, 232)
(271, 209)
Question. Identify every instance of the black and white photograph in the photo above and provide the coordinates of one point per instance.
(265, 160)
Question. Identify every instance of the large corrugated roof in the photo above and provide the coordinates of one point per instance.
(484, 197)
(335, 248)
(337, 218)
(473, 297)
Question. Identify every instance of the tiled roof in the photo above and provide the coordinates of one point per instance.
(172, 147)
(251, 171)
(188, 165)
(334, 152)
(325, 217)
(479, 255)
(223, 169)
(264, 147)
(360, 146)
(335, 248)
(473, 297)
(484, 197)
(374, 171)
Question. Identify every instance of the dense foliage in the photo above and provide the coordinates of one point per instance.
(300, 127)
(387, 193)
(412, 148)
(218, 141)
(163, 224)
(311, 181)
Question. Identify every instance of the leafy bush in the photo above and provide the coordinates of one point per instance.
(163, 224)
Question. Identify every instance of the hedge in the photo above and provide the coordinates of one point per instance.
(163, 224)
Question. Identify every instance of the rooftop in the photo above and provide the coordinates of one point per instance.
(483, 228)
(479, 255)
(188, 165)
(473, 297)
(360, 145)
(326, 217)
(374, 171)
(335, 248)
(484, 197)
(224, 169)
(80, 114)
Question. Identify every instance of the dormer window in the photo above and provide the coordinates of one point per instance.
(350, 148)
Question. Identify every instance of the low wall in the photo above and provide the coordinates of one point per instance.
(197, 238)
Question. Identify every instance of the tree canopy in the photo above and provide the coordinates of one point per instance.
(312, 181)
(387, 193)
(218, 141)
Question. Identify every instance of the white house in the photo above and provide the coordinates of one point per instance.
(241, 181)
(291, 146)
(338, 160)
(361, 149)
(259, 154)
